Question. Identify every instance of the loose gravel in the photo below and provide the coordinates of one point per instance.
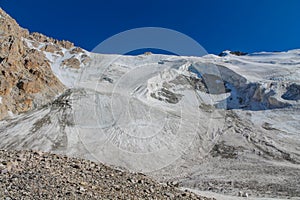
(37, 175)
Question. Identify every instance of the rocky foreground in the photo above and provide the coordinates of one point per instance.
(36, 175)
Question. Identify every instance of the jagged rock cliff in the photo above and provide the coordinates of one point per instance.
(26, 78)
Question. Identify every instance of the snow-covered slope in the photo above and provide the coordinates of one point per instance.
(211, 123)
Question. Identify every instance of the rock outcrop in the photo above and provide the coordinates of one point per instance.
(292, 93)
(26, 78)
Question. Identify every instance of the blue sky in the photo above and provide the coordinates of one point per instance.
(244, 25)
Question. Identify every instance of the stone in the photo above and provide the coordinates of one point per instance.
(71, 63)
(76, 50)
(50, 48)
(245, 194)
(170, 195)
(240, 193)
(151, 190)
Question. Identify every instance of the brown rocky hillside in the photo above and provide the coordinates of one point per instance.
(26, 78)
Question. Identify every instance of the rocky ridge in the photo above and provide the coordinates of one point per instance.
(26, 78)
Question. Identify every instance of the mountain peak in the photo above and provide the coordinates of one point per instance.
(9, 26)
(26, 79)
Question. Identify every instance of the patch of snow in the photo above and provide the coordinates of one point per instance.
(67, 76)
(29, 43)
(11, 114)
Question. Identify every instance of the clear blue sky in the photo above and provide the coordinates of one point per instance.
(245, 25)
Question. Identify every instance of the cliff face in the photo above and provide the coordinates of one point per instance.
(26, 78)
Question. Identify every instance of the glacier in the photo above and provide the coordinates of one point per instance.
(219, 124)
